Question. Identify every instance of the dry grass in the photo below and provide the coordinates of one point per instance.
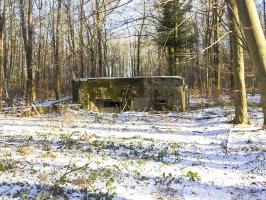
(81, 182)
(43, 177)
(25, 151)
(48, 154)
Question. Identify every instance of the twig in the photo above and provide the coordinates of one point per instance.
(219, 39)
(123, 109)
(73, 170)
(36, 110)
(227, 141)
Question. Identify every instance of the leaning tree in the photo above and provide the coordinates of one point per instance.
(256, 44)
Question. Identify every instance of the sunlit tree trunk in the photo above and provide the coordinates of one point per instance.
(240, 99)
(256, 44)
(264, 23)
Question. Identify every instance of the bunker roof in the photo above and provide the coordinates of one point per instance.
(137, 77)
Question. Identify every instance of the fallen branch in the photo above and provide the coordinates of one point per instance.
(62, 178)
(227, 141)
(34, 107)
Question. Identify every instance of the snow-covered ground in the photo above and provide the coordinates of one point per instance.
(83, 155)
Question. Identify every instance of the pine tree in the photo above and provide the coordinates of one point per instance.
(174, 33)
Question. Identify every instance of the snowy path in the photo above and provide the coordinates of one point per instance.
(195, 155)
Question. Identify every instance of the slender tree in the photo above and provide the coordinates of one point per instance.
(56, 44)
(216, 47)
(81, 38)
(99, 36)
(139, 36)
(40, 43)
(27, 32)
(207, 43)
(72, 43)
(2, 22)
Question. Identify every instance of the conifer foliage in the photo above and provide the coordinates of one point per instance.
(175, 32)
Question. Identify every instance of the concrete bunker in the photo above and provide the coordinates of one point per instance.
(158, 93)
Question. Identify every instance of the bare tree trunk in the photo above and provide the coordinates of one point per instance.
(81, 39)
(38, 71)
(99, 39)
(72, 40)
(90, 48)
(2, 22)
(139, 39)
(207, 42)
(264, 14)
(56, 53)
(28, 46)
(256, 44)
(216, 57)
(240, 99)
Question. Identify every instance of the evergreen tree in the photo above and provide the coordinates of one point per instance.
(174, 32)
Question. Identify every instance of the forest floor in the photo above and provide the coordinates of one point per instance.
(84, 155)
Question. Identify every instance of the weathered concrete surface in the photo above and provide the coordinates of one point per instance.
(131, 94)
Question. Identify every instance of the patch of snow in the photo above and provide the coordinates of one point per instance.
(77, 154)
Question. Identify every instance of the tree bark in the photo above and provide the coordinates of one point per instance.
(81, 39)
(139, 36)
(72, 44)
(56, 53)
(240, 99)
(207, 42)
(99, 45)
(40, 45)
(28, 46)
(216, 51)
(264, 15)
(2, 22)
(256, 44)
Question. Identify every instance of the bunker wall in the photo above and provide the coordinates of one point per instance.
(131, 94)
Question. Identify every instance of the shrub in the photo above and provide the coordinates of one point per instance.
(193, 176)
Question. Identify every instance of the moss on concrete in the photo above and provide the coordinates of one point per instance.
(137, 94)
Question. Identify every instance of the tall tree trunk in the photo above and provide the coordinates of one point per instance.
(31, 84)
(216, 57)
(90, 48)
(72, 44)
(256, 44)
(171, 61)
(2, 22)
(240, 99)
(28, 46)
(56, 53)
(99, 24)
(207, 43)
(81, 39)
(139, 36)
(39, 62)
(264, 15)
